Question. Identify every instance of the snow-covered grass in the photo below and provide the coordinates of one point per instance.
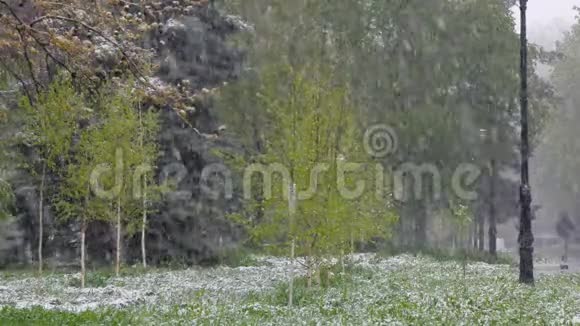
(401, 290)
(155, 288)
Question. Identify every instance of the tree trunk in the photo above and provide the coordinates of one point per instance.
(309, 265)
(118, 258)
(492, 218)
(41, 218)
(481, 233)
(421, 227)
(351, 243)
(83, 269)
(144, 222)
(144, 225)
(474, 234)
(291, 285)
(526, 237)
(453, 242)
(309, 276)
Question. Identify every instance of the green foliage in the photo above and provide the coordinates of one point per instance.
(102, 277)
(461, 214)
(75, 200)
(236, 257)
(126, 141)
(437, 72)
(332, 278)
(310, 125)
(6, 192)
(461, 217)
(446, 255)
(52, 121)
(122, 140)
(145, 159)
(558, 165)
(6, 199)
(92, 280)
(50, 125)
(39, 316)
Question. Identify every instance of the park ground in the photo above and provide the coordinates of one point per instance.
(364, 289)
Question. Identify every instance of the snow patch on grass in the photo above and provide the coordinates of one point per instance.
(401, 290)
(167, 288)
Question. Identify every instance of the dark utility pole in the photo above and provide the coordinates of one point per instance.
(525, 238)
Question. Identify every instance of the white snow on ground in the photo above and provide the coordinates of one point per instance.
(391, 289)
(53, 292)
(160, 288)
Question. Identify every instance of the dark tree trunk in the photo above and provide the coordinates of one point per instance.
(481, 233)
(467, 243)
(474, 235)
(526, 237)
(421, 227)
(492, 217)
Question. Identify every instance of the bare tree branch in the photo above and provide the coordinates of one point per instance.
(20, 80)
(137, 71)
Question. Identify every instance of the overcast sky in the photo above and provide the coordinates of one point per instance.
(546, 11)
(548, 19)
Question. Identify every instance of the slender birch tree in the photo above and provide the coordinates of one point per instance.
(314, 142)
(51, 123)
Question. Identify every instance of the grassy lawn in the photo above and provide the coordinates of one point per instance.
(402, 290)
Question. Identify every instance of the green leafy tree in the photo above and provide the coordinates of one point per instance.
(6, 198)
(438, 72)
(76, 200)
(120, 125)
(556, 164)
(51, 122)
(98, 182)
(6, 194)
(125, 141)
(146, 156)
(312, 140)
(461, 217)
